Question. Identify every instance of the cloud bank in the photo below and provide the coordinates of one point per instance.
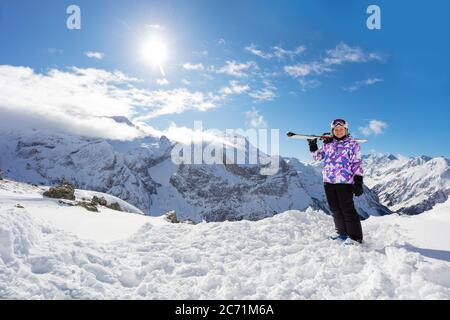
(82, 101)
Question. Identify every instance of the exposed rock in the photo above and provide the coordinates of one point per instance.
(67, 203)
(114, 206)
(99, 200)
(88, 206)
(171, 216)
(63, 191)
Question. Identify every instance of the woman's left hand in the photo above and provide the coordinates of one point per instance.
(358, 185)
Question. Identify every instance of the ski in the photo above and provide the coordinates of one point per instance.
(312, 136)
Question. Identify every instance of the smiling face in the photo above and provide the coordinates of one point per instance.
(339, 131)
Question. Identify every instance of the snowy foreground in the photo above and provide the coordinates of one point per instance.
(52, 251)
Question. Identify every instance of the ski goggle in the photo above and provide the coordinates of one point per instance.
(339, 122)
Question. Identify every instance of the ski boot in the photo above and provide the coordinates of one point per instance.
(338, 236)
(350, 242)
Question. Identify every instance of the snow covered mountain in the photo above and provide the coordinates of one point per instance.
(142, 173)
(408, 185)
(52, 251)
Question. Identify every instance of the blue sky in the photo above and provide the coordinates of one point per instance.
(288, 65)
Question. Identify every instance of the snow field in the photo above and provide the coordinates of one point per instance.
(283, 257)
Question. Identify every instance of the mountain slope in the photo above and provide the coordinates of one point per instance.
(408, 185)
(283, 257)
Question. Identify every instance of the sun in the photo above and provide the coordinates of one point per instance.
(154, 52)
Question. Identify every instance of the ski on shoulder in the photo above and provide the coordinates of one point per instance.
(312, 136)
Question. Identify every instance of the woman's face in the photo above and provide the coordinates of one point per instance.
(339, 131)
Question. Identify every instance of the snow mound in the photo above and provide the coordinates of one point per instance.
(103, 226)
(282, 257)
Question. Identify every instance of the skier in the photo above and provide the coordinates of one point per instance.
(343, 177)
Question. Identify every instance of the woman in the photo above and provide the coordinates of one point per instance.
(342, 176)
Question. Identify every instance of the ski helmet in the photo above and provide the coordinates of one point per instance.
(339, 122)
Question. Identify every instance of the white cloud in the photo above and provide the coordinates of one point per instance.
(158, 103)
(307, 69)
(89, 126)
(162, 82)
(344, 53)
(254, 119)
(358, 84)
(78, 101)
(236, 69)
(186, 82)
(221, 41)
(374, 127)
(267, 93)
(307, 84)
(277, 51)
(339, 55)
(94, 55)
(96, 75)
(269, 74)
(351, 88)
(280, 53)
(376, 56)
(156, 26)
(81, 100)
(234, 87)
(253, 49)
(372, 81)
(191, 66)
(187, 135)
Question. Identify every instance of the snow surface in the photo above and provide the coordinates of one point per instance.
(106, 225)
(282, 257)
(429, 230)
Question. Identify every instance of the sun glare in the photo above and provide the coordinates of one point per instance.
(154, 52)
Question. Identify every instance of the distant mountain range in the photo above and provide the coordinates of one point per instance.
(142, 173)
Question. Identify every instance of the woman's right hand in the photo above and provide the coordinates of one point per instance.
(326, 138)
(313, 145)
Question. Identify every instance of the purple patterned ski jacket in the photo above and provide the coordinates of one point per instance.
(342, 160)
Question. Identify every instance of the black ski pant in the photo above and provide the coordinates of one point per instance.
(340, 201)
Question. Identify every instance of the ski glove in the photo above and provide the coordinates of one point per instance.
(358, 185)
(313, 145)
(328, 139)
